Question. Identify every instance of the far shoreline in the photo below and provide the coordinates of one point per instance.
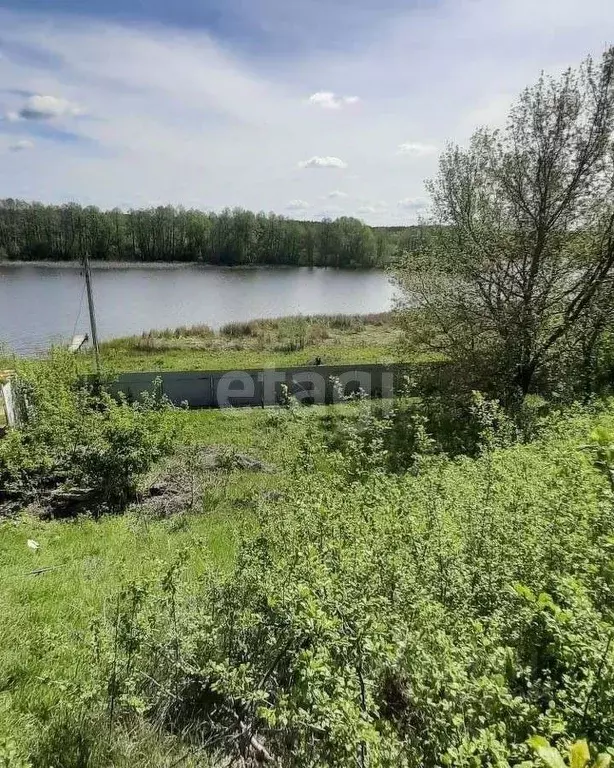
(173, 265)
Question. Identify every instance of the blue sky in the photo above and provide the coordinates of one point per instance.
(305, 107)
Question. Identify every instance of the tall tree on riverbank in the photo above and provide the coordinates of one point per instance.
(527, 242)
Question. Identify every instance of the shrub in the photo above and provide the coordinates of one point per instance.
(437, 619)
(76, 446)
(316, 333)
(235, 330)
(394, 435)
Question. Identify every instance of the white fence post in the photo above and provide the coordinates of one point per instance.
(9, 404)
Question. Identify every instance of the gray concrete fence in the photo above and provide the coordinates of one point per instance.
(322, 384)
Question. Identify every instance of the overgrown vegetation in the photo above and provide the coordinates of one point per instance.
(396, 620)
(439, 616)
(281, 341)
(76, 446)
(424, 581)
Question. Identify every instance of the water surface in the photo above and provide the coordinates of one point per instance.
(44, 304)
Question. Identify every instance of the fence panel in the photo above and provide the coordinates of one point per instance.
(309, 384)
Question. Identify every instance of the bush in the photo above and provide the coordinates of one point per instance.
(437, 619)
(236, 330)
(395, 435)
(77, 447)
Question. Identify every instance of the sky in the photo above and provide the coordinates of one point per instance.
(308, 108)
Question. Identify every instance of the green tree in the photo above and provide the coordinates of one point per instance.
(33, 231)
(527, 241)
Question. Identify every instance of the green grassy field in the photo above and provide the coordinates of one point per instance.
(278, 342)
(50, 595)
(256, 344)
(58, 578)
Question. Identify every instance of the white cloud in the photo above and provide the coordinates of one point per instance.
(12, 117)
(39, 107)
(413, 204)
(330, 100)
(376, 205)
(373, 207)
(323, 162)
(416, 149)
(21, 145)
(336, 193)
(181, 118)
(298, 205)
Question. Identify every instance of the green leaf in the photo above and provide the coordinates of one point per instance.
(523, 591)
(536, 742)
(603, 761)
(579, 753)
(551, 757)
(547, 754)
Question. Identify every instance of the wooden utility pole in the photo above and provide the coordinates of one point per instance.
(90, 304)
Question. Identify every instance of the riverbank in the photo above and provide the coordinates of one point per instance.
(101, 265)
(274, 342)
(158, 234)
(259, 343)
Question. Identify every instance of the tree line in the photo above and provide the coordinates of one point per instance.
(33, 231)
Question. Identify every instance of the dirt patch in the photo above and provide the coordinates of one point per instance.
(171, 488)
(58, 500)
(179, 484)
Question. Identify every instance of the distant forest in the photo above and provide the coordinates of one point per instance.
(37, 232)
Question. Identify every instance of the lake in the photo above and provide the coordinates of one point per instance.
(40, 304)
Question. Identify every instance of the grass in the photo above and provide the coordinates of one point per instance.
(258, 343)
(52, 596)
(46, 616)
(46, 619)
